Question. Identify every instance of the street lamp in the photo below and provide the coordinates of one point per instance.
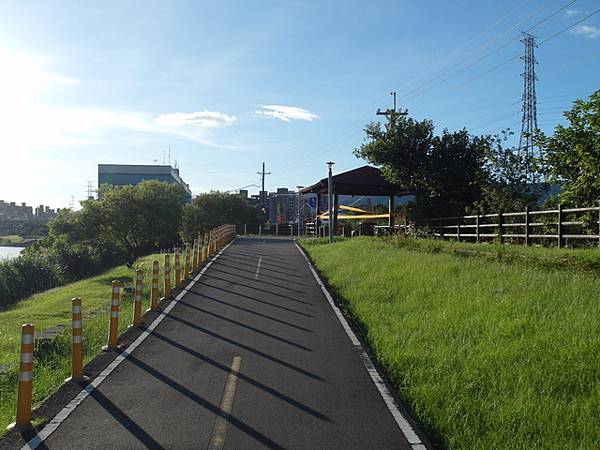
(298, 216)
(330, 199)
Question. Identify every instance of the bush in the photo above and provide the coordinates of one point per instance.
(26, 275)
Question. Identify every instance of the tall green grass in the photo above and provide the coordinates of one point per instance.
(52, 307)
(487, 355)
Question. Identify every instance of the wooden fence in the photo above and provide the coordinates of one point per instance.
(560, 227)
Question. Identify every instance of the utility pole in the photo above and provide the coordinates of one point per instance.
(330, 199)
(262, 174)
(388, 112)
(299, 198)
(529, 126)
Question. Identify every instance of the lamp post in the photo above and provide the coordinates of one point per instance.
(299, 198)
(330, 199)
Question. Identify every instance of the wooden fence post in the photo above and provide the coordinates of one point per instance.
(442, 228)
(477, 228)
(500, 223)
(559, 226)
(457, 228)
(527, 225)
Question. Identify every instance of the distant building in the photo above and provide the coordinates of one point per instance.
(131, 174)
(11, 212)
(282, 206)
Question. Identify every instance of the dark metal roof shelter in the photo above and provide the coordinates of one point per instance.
(365, 180)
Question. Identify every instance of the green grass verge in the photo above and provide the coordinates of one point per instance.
(52, 363)
(488, 355)
(581, 259)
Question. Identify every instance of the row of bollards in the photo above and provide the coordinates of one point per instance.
(202, 248)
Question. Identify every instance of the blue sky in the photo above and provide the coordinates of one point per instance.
(230, 84)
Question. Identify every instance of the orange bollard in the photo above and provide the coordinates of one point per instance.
(167, 276)
(154, 287)
(187, 262)
(137, 298)
(24, 393)
(205, 255)
(76, 340)
(194, 259)
(177, 268)
(113, 325)
(199, 252)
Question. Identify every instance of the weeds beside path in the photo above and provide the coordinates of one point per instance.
(487, 354)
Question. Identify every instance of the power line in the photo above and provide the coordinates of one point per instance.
(497, 49)
(569, 27)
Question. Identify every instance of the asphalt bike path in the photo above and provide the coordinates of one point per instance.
(252, 356)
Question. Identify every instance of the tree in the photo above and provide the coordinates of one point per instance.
(573, 153)
(212, 209)
(124, 220)
(445, 173)
(507, 186)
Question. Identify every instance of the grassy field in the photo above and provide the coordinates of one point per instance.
(11, 239)
(487, 354)
(52, 307)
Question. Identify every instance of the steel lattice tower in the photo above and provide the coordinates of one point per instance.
(529, 124)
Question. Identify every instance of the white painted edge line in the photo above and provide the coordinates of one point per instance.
(406, 428)
(57, 420)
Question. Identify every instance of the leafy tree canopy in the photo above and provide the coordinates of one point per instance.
(444, 172)
(215, 208)
(573, 153)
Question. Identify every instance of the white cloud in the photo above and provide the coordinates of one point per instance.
(586, 30)
(202, 119)
(572, 13)
(287, 113)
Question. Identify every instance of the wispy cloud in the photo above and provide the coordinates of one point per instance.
(572, 13)
(287, 113)
(586, 30)
(202, 119)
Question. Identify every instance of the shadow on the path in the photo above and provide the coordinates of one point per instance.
(259, 280)
(241, 308)
(138, 432)
(249, 327)
(245, 428)
(292, 299)
(219, 288)
(220, 263)
(246, 378)
(246, 347)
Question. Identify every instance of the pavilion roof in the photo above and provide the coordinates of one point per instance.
(365, 180)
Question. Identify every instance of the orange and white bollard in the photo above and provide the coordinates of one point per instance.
(76, 340)
(177, 268)
(205, 249)
(167, 276)
(187, 267)
(199, 251)
(194, 258)
(154, 286)
(24, 392)
(137, 298)
(113, 325)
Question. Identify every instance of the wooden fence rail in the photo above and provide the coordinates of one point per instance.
(553, 226)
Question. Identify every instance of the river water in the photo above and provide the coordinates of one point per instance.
(9, 252)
